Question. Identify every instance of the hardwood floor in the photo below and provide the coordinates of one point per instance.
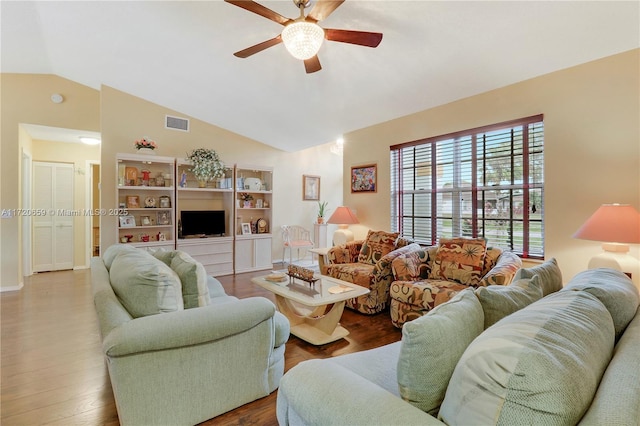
(52, 367)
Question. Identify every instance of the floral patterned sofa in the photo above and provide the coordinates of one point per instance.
(368, 263)
(423, 279)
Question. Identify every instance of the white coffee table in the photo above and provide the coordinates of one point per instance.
(313, 310)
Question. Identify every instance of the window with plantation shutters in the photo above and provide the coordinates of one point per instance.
(485, 182)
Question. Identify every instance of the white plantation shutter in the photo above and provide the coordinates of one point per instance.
(485, 182)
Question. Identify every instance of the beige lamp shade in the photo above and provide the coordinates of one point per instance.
(343, 217)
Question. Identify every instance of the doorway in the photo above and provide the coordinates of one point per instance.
(94, 196)
(52, 232)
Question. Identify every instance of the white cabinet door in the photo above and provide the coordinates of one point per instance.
(244, 255)
(262, 253)
(52, 231)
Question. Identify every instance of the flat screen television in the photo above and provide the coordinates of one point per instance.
(202, 223)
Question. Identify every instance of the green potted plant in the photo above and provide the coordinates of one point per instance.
(206, 165)
(322, 205)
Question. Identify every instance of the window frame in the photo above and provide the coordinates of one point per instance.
(470, 139)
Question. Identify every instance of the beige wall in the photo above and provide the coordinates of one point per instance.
(76, 154)
(25, 98)
(126, 118)
(592, 146)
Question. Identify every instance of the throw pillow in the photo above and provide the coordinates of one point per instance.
(145, 285)
(431, 347)
(539, 366)
(460, 260)
(113, 251)
(376, 245)
(499, 301)
(164, 255)
(193, 277)
(614, 289)
(550, 275)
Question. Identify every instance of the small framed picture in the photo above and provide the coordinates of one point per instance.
(165, 202)
(164, 218)
(127, 221)
(145, 220)
(162, 236)
(364, 178)
(133, 202)
(246, 228)
(310, 187)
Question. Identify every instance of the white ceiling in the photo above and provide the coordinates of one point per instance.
(179, 54)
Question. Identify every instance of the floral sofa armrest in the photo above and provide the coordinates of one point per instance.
(504, 270)
(345, 253)
(414, 265)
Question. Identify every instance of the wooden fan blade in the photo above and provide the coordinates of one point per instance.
(259, 9)
(322, 9)
(312, 64)
(361, 38)
(258, 47)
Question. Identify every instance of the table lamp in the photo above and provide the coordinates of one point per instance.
(617, 226)
(343, 217)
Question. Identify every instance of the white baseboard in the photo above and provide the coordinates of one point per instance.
(11, 288)
(78, 268)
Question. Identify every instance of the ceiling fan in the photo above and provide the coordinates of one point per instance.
(303, 36)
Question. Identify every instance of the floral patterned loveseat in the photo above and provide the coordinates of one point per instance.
(368, 263)
(423, 279)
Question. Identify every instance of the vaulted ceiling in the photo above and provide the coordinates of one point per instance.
(179, 54)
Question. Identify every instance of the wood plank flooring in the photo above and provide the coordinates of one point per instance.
(52, 367)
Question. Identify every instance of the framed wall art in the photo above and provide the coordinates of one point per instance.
(364, 178)
(310, 187)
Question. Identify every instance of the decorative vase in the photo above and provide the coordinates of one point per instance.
(320, 220)
(146, 151)
(202, 183)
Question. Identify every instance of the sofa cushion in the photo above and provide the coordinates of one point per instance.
(540, 365)
(193, 277)
(356, 273)
(617, 401)
(549, 272)
(113, 251)
(431, 347)
(376, 245)
(499, 301)
(614, 289)
(460, 260)
(144, 284)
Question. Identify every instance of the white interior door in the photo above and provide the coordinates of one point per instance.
(53, 231)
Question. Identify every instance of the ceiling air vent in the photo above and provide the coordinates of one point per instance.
(176, 123)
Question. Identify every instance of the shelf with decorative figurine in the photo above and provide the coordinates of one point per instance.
(145, 197)
(253, 217)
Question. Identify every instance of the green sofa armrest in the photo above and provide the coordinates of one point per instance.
(188, 327)
(347, 399)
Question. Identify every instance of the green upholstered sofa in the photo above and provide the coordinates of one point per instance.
(416, 288)
(496, 355)
(174, 364)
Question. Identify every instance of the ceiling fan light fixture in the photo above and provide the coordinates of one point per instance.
(302, 39)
